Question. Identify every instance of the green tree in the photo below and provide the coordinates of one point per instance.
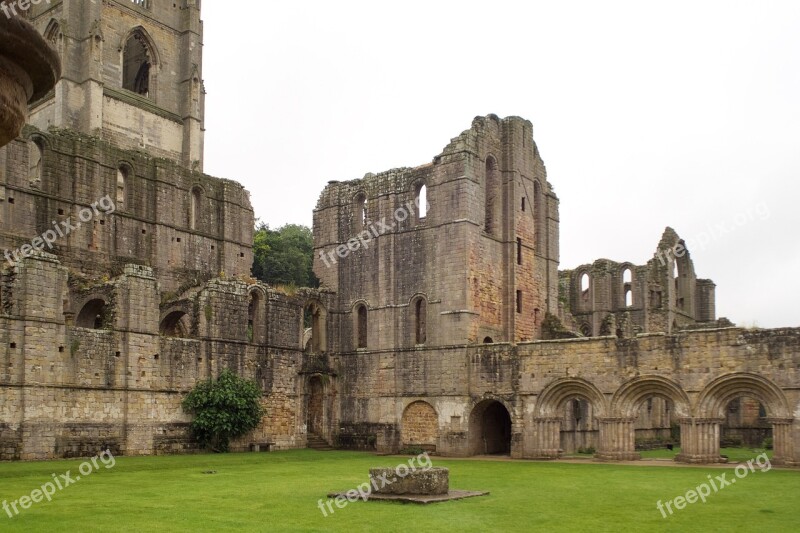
(224, 409)
(284, 256)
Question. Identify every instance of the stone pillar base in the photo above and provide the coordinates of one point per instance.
(699, 459)
(617, 456)
(546, 454)
(547, 438)
(617, 440)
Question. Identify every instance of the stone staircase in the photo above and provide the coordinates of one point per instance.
(315, 442)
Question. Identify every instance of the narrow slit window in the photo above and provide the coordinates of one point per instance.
(420, 319)
(422, 202)
(361, 326)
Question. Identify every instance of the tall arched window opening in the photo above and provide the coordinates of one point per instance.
(422, 202)
(35, 157)
(195, 208)
(136, 64)
(361, 326)
(122, 178)
(420, 321)
(539, 219)
(360, 211)
(494, 198)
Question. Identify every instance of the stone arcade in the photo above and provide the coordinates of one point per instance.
(453, 331)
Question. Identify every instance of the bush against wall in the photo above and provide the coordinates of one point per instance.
(223, 409)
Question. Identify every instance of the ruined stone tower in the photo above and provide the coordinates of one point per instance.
(132, 74)
(123, 275)
(467, 245)
(125, 121)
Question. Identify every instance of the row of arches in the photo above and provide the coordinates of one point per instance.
(625, 402)
(614, 417)
(624, 282)
(97, 312)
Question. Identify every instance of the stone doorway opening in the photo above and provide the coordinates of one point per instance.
(316, 407)
(490, 429)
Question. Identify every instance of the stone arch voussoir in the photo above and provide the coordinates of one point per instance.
(556, 393)
(628, 399)
(718, 394)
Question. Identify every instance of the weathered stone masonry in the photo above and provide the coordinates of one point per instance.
(102, 335)
(648, 335)
(449, 329)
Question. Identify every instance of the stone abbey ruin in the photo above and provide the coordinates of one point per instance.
(442, 324)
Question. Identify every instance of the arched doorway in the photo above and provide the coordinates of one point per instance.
(490, 429)
(316, 407)
(568, 413)
(420, 427)
(645, 421)
(718, 398)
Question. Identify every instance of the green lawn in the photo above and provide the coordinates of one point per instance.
(734, 455)
(279, 492)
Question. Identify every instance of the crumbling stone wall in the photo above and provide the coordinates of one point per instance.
(499, 281)
(537, 379)
(663, 295)
(100, 341)
(662, 347)
(151, 221)
(66, 390)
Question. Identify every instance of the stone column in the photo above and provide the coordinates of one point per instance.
(700, 440)
(782, 441)
(617, 440)
(517, 441)
(547, 438)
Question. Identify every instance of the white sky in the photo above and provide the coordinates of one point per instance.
(682, 114)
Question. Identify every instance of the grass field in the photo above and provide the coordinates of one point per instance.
(733, 454)
(280, 492)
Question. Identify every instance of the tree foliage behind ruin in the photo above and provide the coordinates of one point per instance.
(284, 256)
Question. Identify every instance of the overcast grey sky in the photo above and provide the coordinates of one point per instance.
(647, 115)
